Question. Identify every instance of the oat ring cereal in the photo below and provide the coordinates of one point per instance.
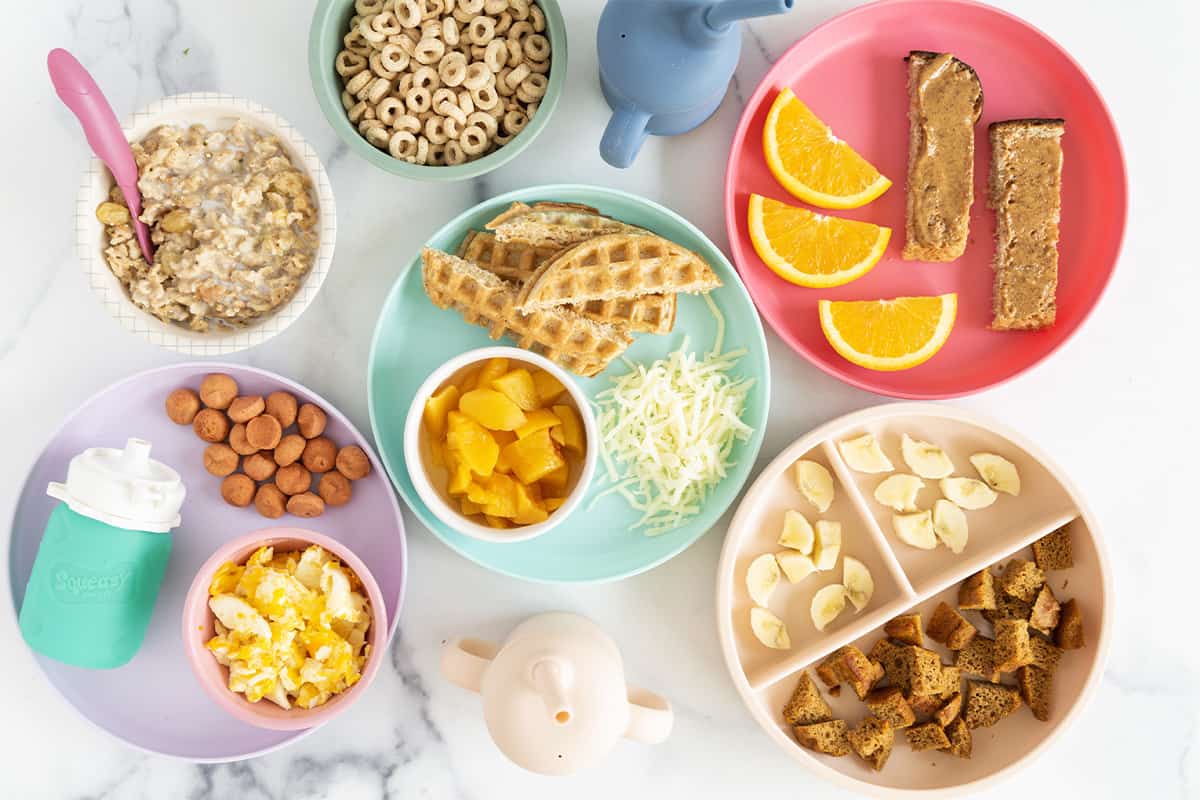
(459, 78)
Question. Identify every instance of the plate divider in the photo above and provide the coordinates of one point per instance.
(815, 652)
(866, 518)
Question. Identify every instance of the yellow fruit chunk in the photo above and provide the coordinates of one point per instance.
(570, 433)
(813, 164)
(437, 453)
(468, 508)
(553, 503)
(517, 385)
(492, 410)
(502, 463)
(537, 420)
(530, 510)
(889, 335)
(548, 387)
(501, 496)
(470, 379)
(555, 483)
(494, 368)
(496, 522)
(471, 443)
(534, 457)
(460, 480)
(438, 406)
(813, 249)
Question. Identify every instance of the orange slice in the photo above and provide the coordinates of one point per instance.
(812, 163)
(889, 335)
(812, 249)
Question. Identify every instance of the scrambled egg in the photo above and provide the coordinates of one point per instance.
(290, 627)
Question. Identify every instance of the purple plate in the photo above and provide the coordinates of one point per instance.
(154, 702)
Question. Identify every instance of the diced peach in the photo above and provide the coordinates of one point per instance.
(460, 480)
(504, 437)
(437, 453)
(530, 510)
(494, 368)
(570, 434)
(496, 522)
(517, 385)
(438, 406)
(472, 443)
(502, 463)
(537, 420)
(470, 378)
(534, 456)
(553, 503)
(468, 508)
(478, 494)
(492, 410)
(548, 387)
(555, 483)
(503, 496)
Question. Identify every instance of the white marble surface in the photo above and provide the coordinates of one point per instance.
(1116, 406)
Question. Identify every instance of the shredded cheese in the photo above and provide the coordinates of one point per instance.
(668, 429)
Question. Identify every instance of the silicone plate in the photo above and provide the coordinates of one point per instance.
(154, 702)
(908, 579)
(851, 72)
(596, 543)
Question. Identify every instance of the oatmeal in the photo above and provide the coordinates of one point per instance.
(233, 222)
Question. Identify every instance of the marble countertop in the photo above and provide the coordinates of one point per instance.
(1116, 407)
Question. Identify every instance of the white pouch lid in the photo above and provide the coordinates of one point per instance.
(124, 488)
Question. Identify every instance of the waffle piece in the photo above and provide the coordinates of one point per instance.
(616, 266)
(581, 345)
(513, 261)
(1024, 191)
(944, 103)
(517, 261)
(559, 225)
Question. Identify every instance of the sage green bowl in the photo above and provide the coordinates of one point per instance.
(331, 22)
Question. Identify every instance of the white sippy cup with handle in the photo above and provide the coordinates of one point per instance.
(554, 695)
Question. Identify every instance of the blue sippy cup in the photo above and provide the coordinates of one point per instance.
(102, 557)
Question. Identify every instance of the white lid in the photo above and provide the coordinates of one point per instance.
(124, 488)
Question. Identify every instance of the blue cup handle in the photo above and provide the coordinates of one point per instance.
(624, 136)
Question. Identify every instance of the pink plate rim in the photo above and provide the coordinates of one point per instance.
(731, 218)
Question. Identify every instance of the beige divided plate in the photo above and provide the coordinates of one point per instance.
(908, 579)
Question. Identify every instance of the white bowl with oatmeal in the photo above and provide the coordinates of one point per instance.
(242, 216)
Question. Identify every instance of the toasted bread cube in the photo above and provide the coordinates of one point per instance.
(887, 655)
(824, 737)
(905, 628)
(924, 706)
(960, 738)
(889, 704)
(806, 706)
(1053, 551)
(924, 668)
(1035, 685)
(1069, 633)
(849, 665)
(978, 592)
(1022, 579)
(872, 740)
(1043, 617)
(978, 658)
(1008, 607)
(950, 628)
(1045, 655)
(988, 703)
(950, 711)
(1013, 649)
(929, 736)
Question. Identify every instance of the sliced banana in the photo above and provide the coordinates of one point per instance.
(926, 459)
(797, 532)
(769, 629)
(828, 545)
(815, 483)
(827, 603)
(950, 525)
(858, 582)
(762, 577)
(997, 472)
(915, 529)
(899, 492)
(796, 566)
(967, 493)
(865, 455)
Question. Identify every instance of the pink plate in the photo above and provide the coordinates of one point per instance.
(851, 72)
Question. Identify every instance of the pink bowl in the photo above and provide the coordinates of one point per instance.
(214, 678)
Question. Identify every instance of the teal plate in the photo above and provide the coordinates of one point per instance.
(597, 543)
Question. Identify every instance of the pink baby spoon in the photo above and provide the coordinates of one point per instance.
(79, 92)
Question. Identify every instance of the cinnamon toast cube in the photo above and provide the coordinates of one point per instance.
(872, 740)
(905, 628)
(1053, 551)
(1069, 633)
(948, 627)
(889, 704)
(978, 658)
(960, 738)
(1036, 688)
(988, 703)
(1022, 579)
(978, 592)
(824, 737)
(928, 736)
(806, 706)
(1012, 648)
